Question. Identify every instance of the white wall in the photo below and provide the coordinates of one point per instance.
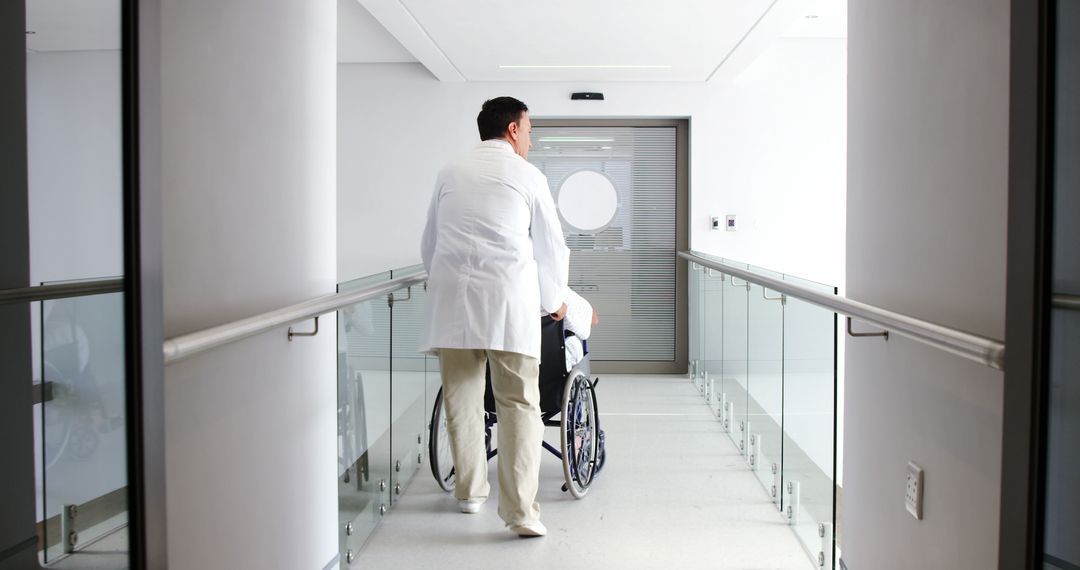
(249, 101)
(74, 165)
(768, 148)
(776, 159)
(927, 169)
(398, 126)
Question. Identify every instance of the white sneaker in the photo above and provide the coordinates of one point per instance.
(470, 506)
(529, 529)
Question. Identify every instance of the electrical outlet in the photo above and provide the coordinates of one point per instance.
(914, 497)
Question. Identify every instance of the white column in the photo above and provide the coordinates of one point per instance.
(928, 118)
(249, 162)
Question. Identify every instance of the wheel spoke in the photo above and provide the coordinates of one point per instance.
(439, 453)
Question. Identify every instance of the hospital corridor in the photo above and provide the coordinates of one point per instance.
(295, 284)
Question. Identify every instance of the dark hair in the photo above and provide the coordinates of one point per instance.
(497, 114)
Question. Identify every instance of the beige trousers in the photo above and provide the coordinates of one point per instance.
(514, 379)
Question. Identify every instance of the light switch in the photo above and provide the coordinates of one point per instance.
(730, 225)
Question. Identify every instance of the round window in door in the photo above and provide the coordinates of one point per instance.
(587, 201)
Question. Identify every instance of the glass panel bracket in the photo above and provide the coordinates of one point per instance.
(774, 491)
(793, 503)
(718, 397)
(825, 531)
(753, 456)
(67, 528)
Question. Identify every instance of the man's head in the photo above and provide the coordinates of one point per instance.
(506, 118)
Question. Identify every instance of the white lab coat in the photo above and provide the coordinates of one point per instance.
(495, 254)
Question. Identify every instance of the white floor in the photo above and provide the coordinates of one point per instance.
(674, 493)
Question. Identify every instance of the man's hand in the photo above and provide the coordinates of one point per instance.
(558, 315)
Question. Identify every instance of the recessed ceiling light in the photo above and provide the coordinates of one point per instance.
(584, 67)
(605, 148)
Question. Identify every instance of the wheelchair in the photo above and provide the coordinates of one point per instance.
(570, 396)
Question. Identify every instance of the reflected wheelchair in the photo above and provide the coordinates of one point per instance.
(569, 395)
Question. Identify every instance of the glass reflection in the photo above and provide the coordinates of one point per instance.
(83, 435)
(1061, 549)
(75, 214)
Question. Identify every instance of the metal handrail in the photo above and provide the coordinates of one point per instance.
(193, 343)
(971, 346)
(61, 290)
(1063, 301)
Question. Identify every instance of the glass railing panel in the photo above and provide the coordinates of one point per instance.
(735, 293)
(765, 386)
(809, 423)
(711, 336)
(694, 320)
(774, 357)
(408, 386)
(83, 436)
(364, 436)
(815, 285)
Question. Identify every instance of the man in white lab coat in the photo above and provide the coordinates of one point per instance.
(496, 258)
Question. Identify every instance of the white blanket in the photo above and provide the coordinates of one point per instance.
(578, 320)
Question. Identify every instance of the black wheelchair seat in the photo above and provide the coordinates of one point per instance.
(553, 371)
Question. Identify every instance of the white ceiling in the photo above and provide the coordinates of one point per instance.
(593, 40)
(685, 40)
(573, 40)
(72, 25)
(362, 39)
(820, 19)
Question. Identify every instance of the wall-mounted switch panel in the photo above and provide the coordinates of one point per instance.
(715, 223)
(914, 497)
(730, 225)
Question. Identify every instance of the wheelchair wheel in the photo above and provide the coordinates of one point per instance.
(442, 461)
(579, 434)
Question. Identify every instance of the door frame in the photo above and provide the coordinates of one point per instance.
(18, 539)
(682, 237)
(141, 72)
(1027, 312)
